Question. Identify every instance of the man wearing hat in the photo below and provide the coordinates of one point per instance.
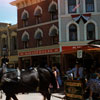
(77, 71)
(4, 60)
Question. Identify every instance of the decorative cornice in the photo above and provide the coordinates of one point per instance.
(25, 3)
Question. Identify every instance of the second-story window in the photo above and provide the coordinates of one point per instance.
(14, 42)
(38, 14)
(4, 45)
(71, 6)
(54, 36)
(25, 40)
(73, 32)
(89, 5)
(38, 37)
(90, 31)
(53, 11)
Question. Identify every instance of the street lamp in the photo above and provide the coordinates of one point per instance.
(8, 36)
(4, 59)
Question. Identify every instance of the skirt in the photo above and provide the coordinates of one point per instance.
(94, 85)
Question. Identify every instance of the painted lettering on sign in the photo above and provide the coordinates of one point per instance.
(37, 52)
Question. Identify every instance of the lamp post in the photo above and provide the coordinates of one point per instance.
(8, 36)
(4, 59)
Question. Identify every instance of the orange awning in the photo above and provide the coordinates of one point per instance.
(73, 49)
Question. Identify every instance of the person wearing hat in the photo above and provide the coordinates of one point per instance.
(77, 71)
(4, 60)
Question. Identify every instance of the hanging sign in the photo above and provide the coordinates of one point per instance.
(79, 53)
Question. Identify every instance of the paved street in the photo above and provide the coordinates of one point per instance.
(36, 96)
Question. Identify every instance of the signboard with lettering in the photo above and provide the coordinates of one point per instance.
(39, 52)
(74, 90)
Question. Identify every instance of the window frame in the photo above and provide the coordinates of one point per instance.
(71, 11)
(70, 34)
(92, 5)
(93, 33)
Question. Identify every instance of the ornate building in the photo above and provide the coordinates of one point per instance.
(38, 35)
(78, 25)
(8, 43)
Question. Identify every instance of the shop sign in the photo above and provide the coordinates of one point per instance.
(73, 90)
(79, 53)
(67, 48)
(37, 52)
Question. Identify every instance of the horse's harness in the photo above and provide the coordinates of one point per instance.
(6, 78)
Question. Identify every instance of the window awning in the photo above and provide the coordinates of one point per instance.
(73, 49)
(37, 13)
(24, 17)
(38, 36)
(52, 9)
(53, 32)
(25, 38)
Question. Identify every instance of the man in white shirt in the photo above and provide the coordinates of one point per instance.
(77, 71)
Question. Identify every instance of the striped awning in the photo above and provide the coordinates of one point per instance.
(52, 9)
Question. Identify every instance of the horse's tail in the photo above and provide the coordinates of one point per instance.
(53, 80)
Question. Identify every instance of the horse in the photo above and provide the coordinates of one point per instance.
(31, 81)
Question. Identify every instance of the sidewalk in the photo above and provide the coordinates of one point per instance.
(58, 95)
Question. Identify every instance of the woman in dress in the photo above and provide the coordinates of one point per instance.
(94, 84)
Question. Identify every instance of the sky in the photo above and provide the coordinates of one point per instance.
(8, 13)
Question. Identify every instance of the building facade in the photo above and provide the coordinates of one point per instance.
(8, 43)
(38, 35)
(78, 24)
(53, 31)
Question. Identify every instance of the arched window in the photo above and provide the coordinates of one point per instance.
(53, 33)
(73, 32)
(38, 14)
(38, 36)
(14, 42)
(71, 6)
(25, 17)
(89, 5)
(53, 11)
(25, 39)
(4, 43)
(54, 36)
(90, 31)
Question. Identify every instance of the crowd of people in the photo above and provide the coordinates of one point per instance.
(90, 77)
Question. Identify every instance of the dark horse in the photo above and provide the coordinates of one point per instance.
(31, 81)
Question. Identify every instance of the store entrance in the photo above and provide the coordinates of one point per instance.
(39, 60)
